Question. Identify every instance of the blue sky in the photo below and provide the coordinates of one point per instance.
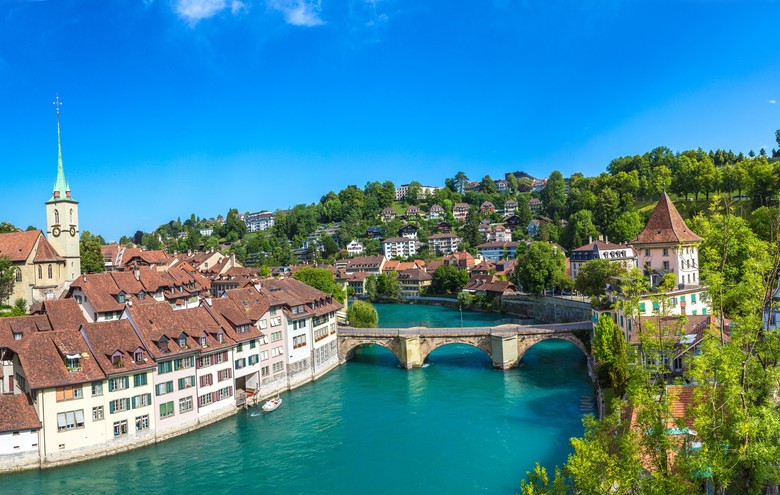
(180, 106)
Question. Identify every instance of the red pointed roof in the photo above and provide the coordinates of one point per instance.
(666, 226)
(46, 252)
(18, 245)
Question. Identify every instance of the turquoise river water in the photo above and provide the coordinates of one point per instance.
(455, 426)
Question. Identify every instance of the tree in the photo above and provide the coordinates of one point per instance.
(91, 254)
(151, 241)
(461, 180)
(594, 276)
(414, 193)
(6, 227)
(471, 236)
(321, 279)
(487, 185)
(625, 227)
(362, 314)
(765, 222)
(541, 267)
(579, 230)
(7, 279)
(448, 279)
(387, 285)
(138, 238)
(553, 195)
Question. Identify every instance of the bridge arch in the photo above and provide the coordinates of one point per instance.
(430, 344)
(347, 346)
(525, 342)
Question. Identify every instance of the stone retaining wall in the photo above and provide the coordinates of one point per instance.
(547, 309)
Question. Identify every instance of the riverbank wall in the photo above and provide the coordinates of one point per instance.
(31, 461)
(547, 309)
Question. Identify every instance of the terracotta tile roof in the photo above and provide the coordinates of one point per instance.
(43, 355)
(46, 252)
(111, 252)
(63, 314)
(126, 281)
(295, 293)
(680, 403)
(144, 257)
(250, 300)
(358, 276)
(414, 274)
(398, 239)
(442, 236)
(158, 320)
(665, 226)
(601, 246)
(17, 413)
(17, 246)
(365, 263)
(100, 290)
(436, 208)
(117, 337)
(433, 265)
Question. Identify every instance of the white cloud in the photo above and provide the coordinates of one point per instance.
(196, 10)
(772, 102)
(299, 12)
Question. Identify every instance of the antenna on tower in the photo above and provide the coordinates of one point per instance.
(57, 104)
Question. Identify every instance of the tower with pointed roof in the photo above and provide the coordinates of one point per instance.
(667, 245)
(62, 215)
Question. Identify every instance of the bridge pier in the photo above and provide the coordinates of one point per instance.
(411, 357)
(505, 355)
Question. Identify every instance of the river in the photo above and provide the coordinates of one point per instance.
(455, 426)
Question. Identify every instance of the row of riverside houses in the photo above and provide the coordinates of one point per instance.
(74, 389)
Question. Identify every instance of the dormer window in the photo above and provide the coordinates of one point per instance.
(116, 359)
(203, 341)
(141, 296)
(163, 343)
(220, 337)
(120, 297)
(138, 356)
(17, 335)
(73, 362)
(183, 341)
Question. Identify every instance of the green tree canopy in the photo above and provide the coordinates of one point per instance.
(7, 278)
(594, 276)
(91, 254)
(362, 314)
(321, 279)
(541, 267)
(448, 279)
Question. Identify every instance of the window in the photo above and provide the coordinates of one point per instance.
(119, 405)
(225, 374)
(682, 298)
(186, 382)
(647, 252)
(50, 272)
(277, 351)
(204, 361)
(182, 341)
(142, 422)
(40, 271)
(263, 323)
(206, 380)
(166, 409)
(263, 340)
(220, 337)
(704, 311)
(97, 413)
(203, 341)
(694, 312)
(138, 356)
(139, 380)
(184, 363)
(252, 344)
(253, 359)
(239, 347)
(120, 428)
(164, 367)
(275, 322)
(56, 217)
(666, 251)
(116, 360)
(299, 341)
(276, 336)
(120, 383)
(264, 355)
(163, 388)
(18, 275)
(666, 265)
(70, 420)
(655, 306)
(273, 311)
(241, 363)
(142, 400)
(97, 389)
(265, 371)
(69, 392)
(120, 298)
(277, 367)
(205, 400)
(693, 298)
(185, 404)
(221, 357)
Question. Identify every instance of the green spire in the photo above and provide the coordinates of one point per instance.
(61, 187)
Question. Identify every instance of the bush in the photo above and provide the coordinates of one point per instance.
(362, 314)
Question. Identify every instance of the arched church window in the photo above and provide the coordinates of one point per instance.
(18, 275)
(56, 217)
(40, 271)
(51, 272)
(71, 216)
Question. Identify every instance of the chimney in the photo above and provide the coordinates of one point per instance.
(590, 239)
(606, 238)
(137, 273)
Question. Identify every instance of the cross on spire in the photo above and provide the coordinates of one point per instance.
(57, 104)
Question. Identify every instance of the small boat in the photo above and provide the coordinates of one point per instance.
(272, 404)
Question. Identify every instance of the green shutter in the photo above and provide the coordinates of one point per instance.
(111, 407)
(127, 381)
(642, 307)
(181, 383)
(693, 298)
(127, 403)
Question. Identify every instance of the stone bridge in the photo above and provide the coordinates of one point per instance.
(505, 344)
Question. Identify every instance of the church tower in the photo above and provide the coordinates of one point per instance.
(62, 215)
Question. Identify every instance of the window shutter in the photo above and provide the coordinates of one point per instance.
(127, 403)
(214, 397)
(200, 401)
(230, 390)
(229, 373)
(181, 383)
(111, 407)
(60, 393)
(134, 402)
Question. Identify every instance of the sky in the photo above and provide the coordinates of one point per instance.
(173, 107)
